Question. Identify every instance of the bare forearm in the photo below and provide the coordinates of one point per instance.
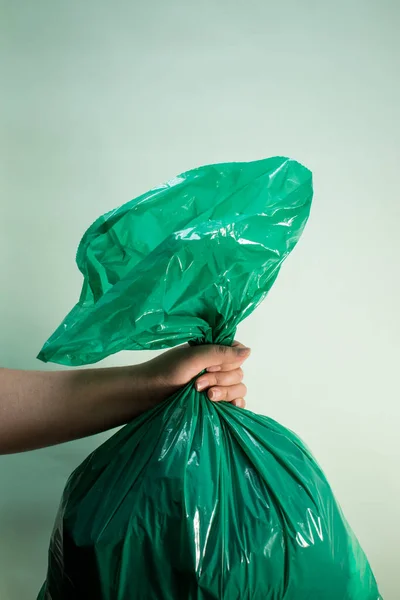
(43, 408)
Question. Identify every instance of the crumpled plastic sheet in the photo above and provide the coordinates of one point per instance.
(194, 499)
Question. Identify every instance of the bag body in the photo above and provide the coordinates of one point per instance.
(195, 500)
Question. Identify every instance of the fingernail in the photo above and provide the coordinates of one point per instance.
(243, 351)
(201, 385)
(215, 394)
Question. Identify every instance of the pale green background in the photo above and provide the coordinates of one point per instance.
(101, 101)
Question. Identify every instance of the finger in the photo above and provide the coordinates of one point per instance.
(227, 394)
(219, 379)
(225, 367)
(239, 402)
(230, 357)
(223, 355)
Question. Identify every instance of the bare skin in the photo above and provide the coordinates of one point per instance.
(42, 408)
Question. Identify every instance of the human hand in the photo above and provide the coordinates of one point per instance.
(223, 380)
(41, 408)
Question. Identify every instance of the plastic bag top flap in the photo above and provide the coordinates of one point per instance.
(185, 262)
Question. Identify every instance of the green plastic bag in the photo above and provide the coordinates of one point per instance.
(194, 499)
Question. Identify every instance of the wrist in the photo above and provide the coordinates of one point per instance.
(116, 394)
(152, 388)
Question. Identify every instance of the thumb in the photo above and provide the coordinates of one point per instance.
(222, 358)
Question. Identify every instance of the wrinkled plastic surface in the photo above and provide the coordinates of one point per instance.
(194, 499)
(185, 262)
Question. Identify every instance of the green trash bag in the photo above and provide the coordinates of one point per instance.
(194, 499)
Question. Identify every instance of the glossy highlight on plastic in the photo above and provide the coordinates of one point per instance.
(195, 500)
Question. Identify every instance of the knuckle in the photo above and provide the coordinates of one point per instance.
(211, 379)
(218, 379)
